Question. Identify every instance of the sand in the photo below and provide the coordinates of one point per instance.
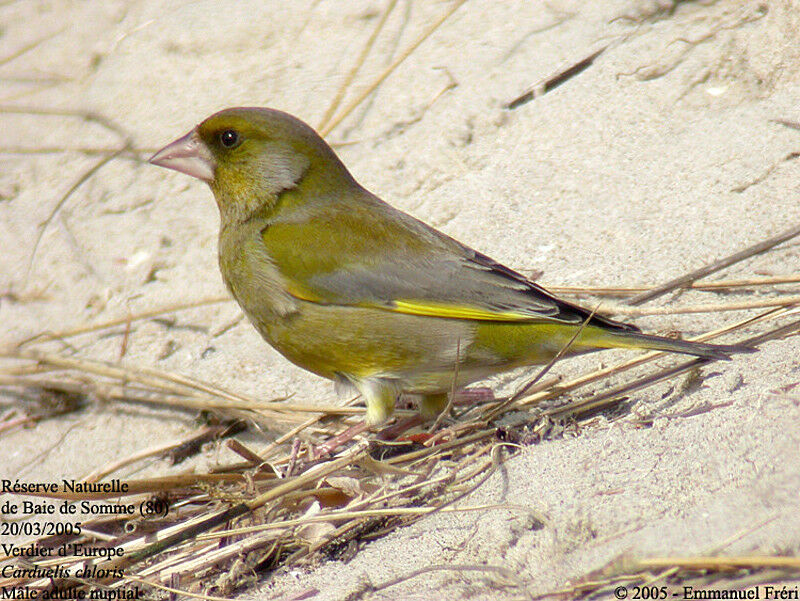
(659, 158)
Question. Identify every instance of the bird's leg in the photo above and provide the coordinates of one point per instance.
(432, 405)
(380, 397)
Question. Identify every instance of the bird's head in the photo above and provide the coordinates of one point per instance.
(251, 156)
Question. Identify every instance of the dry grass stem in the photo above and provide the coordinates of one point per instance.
(390, 69)
(684, 280)
(113, 466)
(337, 100)
(781, 301)
(121, 321)
(719, 563)
(719, 572)
(717, 286)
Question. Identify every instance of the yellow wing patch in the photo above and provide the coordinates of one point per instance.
(424, 308)
(434, 309)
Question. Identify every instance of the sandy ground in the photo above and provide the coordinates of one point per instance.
(658, 159)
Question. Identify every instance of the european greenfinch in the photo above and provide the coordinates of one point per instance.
(354, 290)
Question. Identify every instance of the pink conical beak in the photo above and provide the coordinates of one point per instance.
(188, 155)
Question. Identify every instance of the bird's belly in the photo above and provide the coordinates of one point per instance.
(354, 342)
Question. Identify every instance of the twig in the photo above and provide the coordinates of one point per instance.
(556, 80)
(103, 471)
(176, 591)
(19, 421)
(719, 285)
(126, 146)
(390, 69)
(148, 376)
(81, 180)
(495, 465)
(60, 335)
(101, 120)
(499, 570)
(332, 444)
(29, 46)
(337, 100)
(244, 452)
(720, 563)
(682, 281)
(134, 154)
(337, 516)
(785, 301)
(787, 123)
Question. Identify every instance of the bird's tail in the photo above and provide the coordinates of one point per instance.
(610, 339)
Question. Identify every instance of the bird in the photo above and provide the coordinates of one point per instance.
(352, 289)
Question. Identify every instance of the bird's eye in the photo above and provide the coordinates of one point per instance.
(229, 138)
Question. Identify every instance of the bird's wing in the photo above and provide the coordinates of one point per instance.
(379, 257)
